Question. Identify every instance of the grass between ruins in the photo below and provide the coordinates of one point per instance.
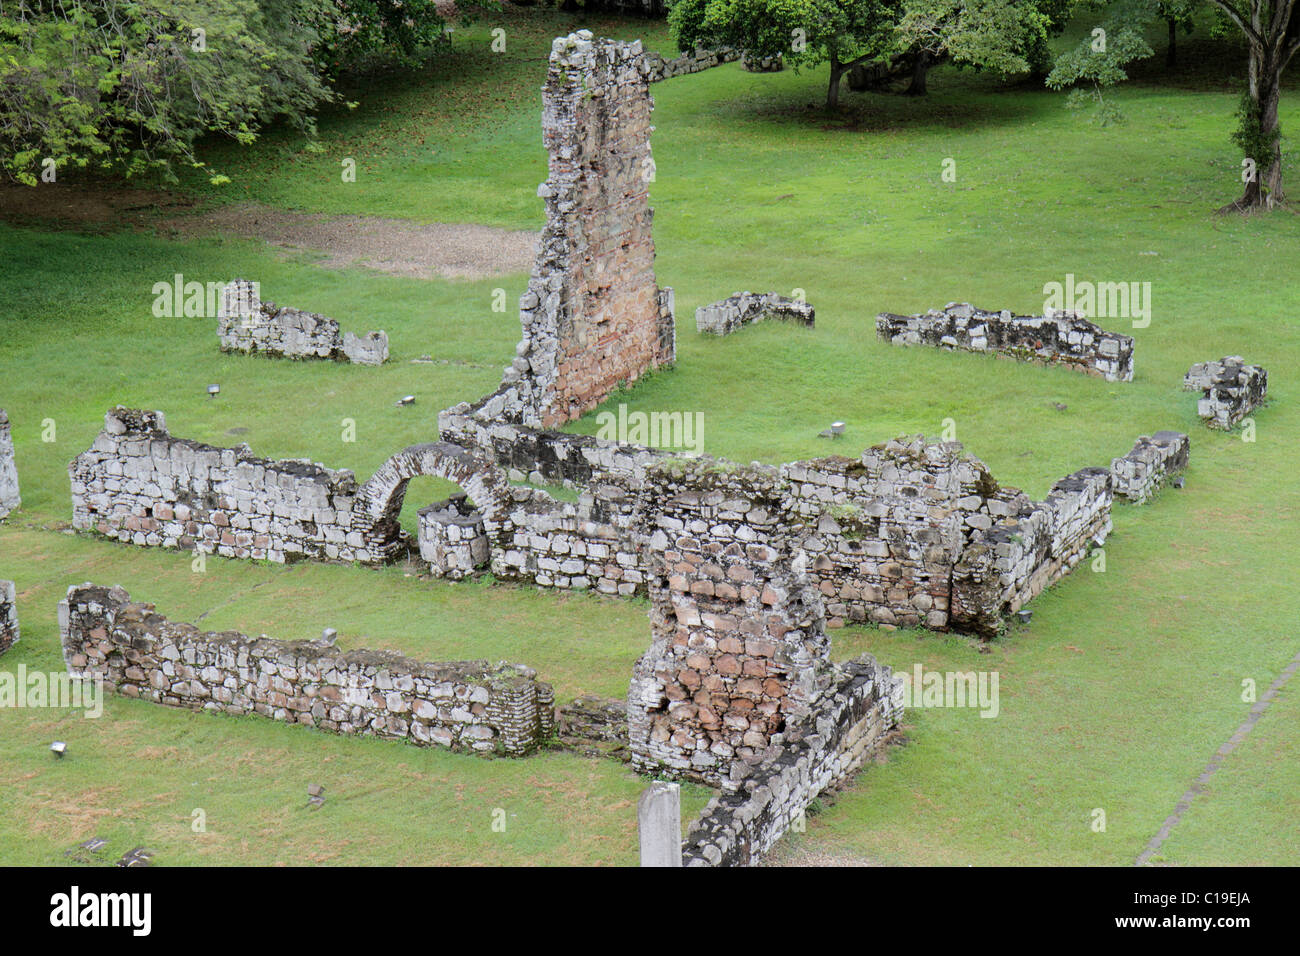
(1114, 697)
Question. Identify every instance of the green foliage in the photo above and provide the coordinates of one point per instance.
(130, 86)
(1250, 136)
(997, 34)
(804, 32)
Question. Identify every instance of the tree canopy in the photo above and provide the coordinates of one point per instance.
(130, 85)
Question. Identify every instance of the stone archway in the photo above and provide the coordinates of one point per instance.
(379, 501)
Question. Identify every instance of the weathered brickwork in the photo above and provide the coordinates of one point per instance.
(9, 497)
(818, 753)
(593, 316)
(247, 324)
(467, 705)
(1154, 460)
(1230, 390)
(8, 616)
(1063, 338)
(723, 318)
(738, 639)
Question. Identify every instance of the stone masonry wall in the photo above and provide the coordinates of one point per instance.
(723, 318)
(140, 485)
(1063, 338)
(694, 61)
(247, 324)
(467, 705)
(9, 497)
(8, 616)
(1139, 474)
(1230, 390)
(819, 753)
(593, 316)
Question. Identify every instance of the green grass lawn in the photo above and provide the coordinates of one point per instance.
(1114, 697)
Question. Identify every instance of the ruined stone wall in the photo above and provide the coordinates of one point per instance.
(724, 317)
(247, 324)
(8, 616)
(1230, 390)
(1139, 474)
(9, 497)
(1063, 338)
(140, 485)
(544, 456)
(593, 316)
(818, 753)
(694, 61)
(467, 705)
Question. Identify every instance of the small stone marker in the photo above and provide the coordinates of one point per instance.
(659, 819)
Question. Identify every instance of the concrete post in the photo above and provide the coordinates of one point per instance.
(659, 819)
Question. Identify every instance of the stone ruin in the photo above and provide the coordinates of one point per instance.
(9, 497)
(1140, 474)
(139, 484)
(593, 316)
(247, 324)
(465, 705)
(1062, 338)
(1230, 390)
(745, 566)
(8, 615)
(723, 318)
(739, 649)
(693, 61)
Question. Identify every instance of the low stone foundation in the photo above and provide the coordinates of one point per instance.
(695, 61)
(1140, 474)
(1230, 390)
(723, 318)
(591, 719)
(247, 324)
(9, 497)
(819, 753)
(1063, 338)
(762, 64)
(8, 615)
(467, 705)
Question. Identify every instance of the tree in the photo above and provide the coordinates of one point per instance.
(131, 85)
(806, 33)
(1178, 15)
(894, 36)
(993, 34)
(1272, 33)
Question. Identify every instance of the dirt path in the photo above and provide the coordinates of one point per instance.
(392, 246)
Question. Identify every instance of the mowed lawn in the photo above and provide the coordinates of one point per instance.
(1113, 698)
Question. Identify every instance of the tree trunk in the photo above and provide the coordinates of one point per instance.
(833, 91)
(1171, 56)
(1264, 191)
(920, 69)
